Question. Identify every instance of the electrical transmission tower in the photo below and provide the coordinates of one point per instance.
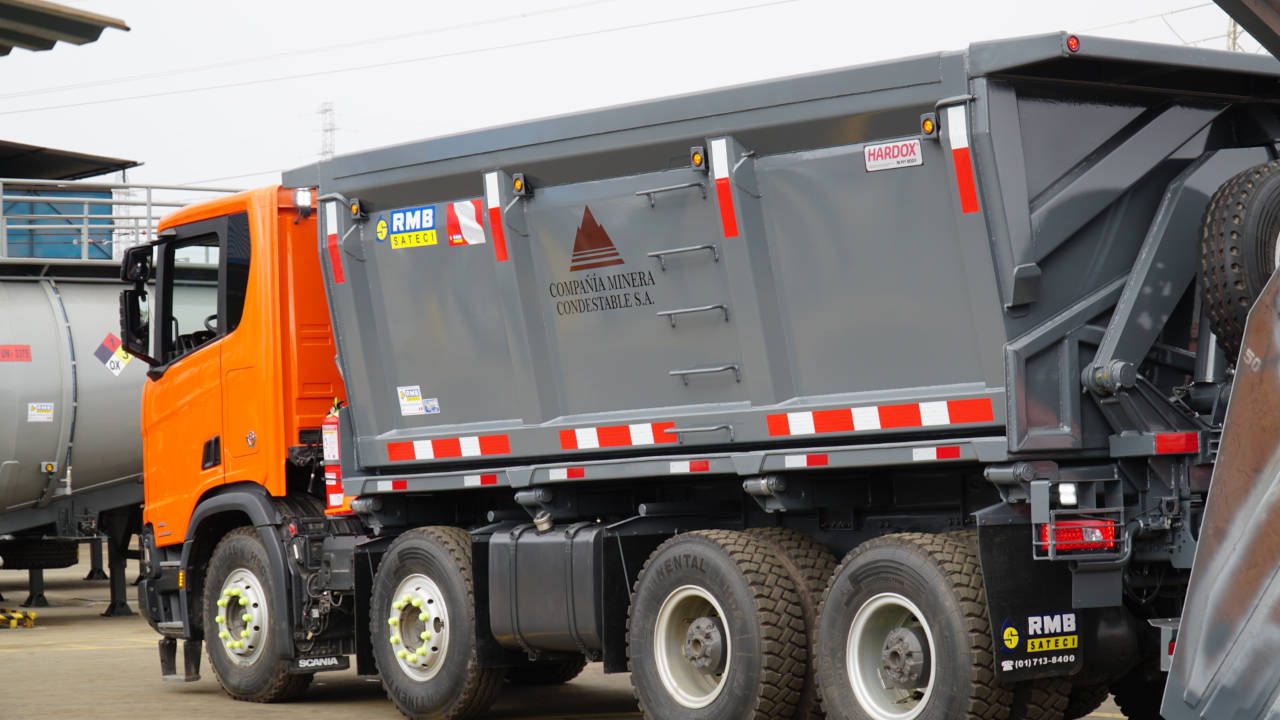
(1233, 36)
(328, 131)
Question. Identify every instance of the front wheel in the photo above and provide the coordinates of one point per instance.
(244, 652)
(903, 634)
(423, 627)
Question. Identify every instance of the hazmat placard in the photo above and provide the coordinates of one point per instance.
(39, 412)
(111, 354)
(15, 353)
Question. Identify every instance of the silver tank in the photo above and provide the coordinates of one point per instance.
(69, 404)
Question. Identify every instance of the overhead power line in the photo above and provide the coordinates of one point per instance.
(289, 54)
(406, 61)
(1157, 16)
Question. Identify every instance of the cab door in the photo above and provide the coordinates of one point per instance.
(182, 412)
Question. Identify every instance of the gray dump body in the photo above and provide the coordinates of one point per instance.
(837, 280)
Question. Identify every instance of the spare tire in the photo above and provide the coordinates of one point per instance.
(38, 553)
(1238, 249)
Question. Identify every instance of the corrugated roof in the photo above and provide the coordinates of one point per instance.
(38, 25)
(32, 161)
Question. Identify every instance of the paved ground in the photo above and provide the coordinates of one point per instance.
(75, 664)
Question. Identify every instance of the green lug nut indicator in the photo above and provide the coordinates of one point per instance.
(222, 602)
(395, 639)
(223, 635)
(397, 605)
(246, 617)
(424, 635)
(417, 602)
(393, 621)
(220, 619)
(402, 654)
(244, 633)
(412, 658)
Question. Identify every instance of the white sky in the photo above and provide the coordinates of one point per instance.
(228, 93)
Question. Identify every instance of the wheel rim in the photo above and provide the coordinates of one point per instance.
(688, 685)
(419, 627)
(872, 625)
(244, 616)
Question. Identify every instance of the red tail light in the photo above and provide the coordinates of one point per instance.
(1077, 535)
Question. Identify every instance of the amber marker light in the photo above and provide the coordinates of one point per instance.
(927, 126)
(698, 158)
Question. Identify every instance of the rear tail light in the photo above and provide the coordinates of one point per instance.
(1078, 535)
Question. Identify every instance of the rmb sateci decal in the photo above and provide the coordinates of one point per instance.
(1039, 640)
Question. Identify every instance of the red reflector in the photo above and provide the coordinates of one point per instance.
(1073, 43)
(1073, 535)
(1171, 644)
(1177, 443)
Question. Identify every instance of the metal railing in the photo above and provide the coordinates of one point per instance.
(86, 219)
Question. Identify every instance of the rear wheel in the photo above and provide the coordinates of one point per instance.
(1138, 694)
(811, 566)
(244, 652)
(38, 553)
(903, 634)
(1084, 700)
(423, 627)
(1238, 249)
(715, 631)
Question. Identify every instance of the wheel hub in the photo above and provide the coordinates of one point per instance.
(704, 645)
(905, 658)
(242, 618)
(419, 627)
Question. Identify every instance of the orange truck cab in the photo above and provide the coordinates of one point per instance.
(228, 306)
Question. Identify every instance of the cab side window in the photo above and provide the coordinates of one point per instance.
(203, 275)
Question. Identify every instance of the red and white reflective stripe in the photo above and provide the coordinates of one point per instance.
(882, 417)
(617, 436)
(724, 191)
(798, 461)
(958, 133)
(462, 222)
(926, 454)
(1167, 443)
(479, 480)
(571, 473)
(690, 466)
(331, 240)
(472, 446)
(493, 199)
(392, 485)
(333, 489)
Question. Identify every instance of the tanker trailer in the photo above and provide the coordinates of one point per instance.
(70, 450)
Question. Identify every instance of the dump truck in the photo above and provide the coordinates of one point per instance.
(892, 391)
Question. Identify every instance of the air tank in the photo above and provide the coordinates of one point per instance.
(69, 396)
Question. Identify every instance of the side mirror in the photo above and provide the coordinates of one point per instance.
(135, 323)
(136, 266)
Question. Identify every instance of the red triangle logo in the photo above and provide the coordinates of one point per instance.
(592, 247)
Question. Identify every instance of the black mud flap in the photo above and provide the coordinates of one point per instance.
(1224, 661)
(1036, 632)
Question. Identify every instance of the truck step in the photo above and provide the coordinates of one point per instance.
(190, 660)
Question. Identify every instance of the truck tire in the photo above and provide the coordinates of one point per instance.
(243, 650)
(727, 599)
(811, 566)
(1138, 694)
(1043, 699)
(1084, 700)
(38, 553)
(555, 672)
(915, 592)
(422, 621)
(1238, 249)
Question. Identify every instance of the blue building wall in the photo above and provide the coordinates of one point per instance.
(56, 236)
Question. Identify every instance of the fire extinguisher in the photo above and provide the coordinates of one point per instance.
(334, 499)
